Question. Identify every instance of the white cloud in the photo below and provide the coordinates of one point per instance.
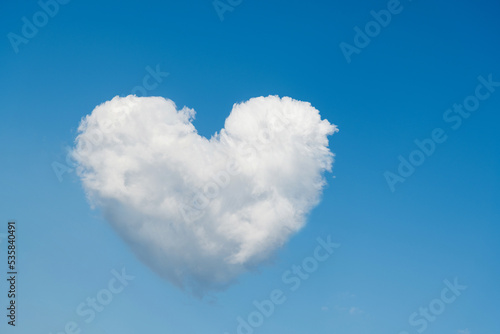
(202, 211)
(355, 310)
(351, 310)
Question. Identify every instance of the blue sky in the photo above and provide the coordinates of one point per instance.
(397, 247)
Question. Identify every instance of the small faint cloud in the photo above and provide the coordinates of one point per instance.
(351, 310)
(464, 331)
(347, 295)
(324, 308)
(355, 310)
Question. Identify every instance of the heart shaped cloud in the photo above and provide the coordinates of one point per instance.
(202, 211)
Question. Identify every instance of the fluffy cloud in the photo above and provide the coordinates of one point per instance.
(201, 211)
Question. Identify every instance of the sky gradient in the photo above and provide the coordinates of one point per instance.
(398, 245)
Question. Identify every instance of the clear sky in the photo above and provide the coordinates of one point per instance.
(399, 241)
